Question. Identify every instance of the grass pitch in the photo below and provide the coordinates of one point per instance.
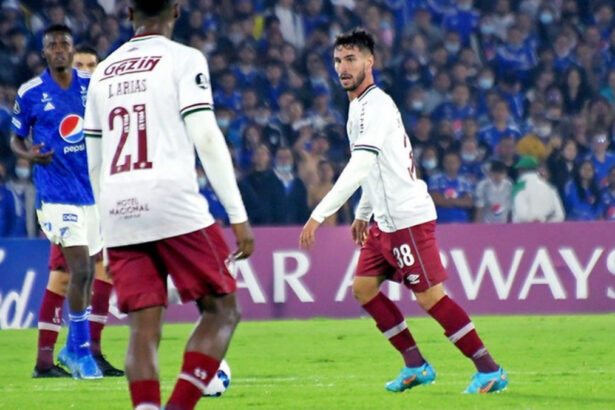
(554, 362)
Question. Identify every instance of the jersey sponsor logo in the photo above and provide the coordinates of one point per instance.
(131, 66)
(497, 209)
(46, 98)
(71, 128)
(202, 81)
(451, 193)
(16, 122)
(16, 108)
(70, 218)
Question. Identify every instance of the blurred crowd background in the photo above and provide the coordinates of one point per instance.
(490, 92)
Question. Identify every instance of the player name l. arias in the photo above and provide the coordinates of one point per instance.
(131, 66)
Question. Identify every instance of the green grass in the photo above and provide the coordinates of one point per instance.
(554, 362)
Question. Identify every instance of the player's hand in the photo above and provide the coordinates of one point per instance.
(36, 156)
(308, 234)
(359, 231)
(245, 240)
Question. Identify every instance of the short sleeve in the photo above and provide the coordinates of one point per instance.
(21, 121)
(92, 122)
(194, 86)
(434, 183)
(373, 118)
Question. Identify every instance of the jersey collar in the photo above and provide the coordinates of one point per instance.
(141, 37)
(366, 91)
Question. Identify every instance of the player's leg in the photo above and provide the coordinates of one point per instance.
(101, 291)
(389, 319)
(196, 262)
(430, 295)
(142, 357)
(77, 355)
(50, 316)
(205, 349)
(139, 279)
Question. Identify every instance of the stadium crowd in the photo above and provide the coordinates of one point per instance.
(500, 98)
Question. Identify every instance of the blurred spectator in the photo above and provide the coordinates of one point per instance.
(533, 146)
(516, 56)
(290, 193)
(576, 90)
(439, 93)
(451, 192)
(607, 197)
(311, 153)
(263, 183)
(602, 159)
(215, 206)
(420, 135)
(534, 200)
(318, 190)
(291, 23)
(561, 163)
(321, 113)
(506, 152)
(501, 127)
(493, 198)
(582, 197)
(456, 110)
(428, 163)
(471, 164)
(226, 94)
(7, 206)
(24, 193)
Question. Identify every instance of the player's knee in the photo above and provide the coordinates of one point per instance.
(232, 314)
(363, 291)
(427, 299)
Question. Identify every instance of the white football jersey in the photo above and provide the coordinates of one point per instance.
(398, 198)
(136, 103)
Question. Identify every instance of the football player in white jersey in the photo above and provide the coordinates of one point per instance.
(401, 244)
(149, 106)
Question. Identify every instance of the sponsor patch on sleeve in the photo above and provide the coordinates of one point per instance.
(202, 81)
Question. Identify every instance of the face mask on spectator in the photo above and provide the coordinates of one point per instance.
(468, 157)
(430, 164)
(223, 122)
(261, 119)
(22, 172)
(202, 181)
(284, 169)
(487, 29)
(485, 83)
(235, 38)
(546, 17)
(543, 131)
(465, 6)
(452, 48)
(417, 105)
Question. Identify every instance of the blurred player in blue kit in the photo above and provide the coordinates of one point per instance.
(50, 109)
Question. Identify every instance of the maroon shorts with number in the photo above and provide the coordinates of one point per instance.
(57, 261)
(409, 256)
(196, 261)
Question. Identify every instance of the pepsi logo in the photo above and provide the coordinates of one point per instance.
(610, 212)
(497, 209)
(71, 128)
(451, 193)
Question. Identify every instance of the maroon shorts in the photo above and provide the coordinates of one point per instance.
(196, 261)
(409, 256)
(57, 261)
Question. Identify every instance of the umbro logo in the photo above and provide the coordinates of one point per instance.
(49, 106)
(413, 279)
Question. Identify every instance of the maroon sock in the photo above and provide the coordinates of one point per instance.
(145, 392)
(460, 330)
(197, 371)
(49, 324)
(392, 324)
(101, 291)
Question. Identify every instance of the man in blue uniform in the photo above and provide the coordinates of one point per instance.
(50, 108)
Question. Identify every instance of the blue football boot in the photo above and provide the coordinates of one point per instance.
(412, 376)
(488, 382)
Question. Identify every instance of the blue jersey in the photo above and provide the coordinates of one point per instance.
(602, 168)
(451, 188)
(55, 118)
(589, 208)
(607, 199)
(491, 135)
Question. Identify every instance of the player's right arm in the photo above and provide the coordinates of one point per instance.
(21, 124)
